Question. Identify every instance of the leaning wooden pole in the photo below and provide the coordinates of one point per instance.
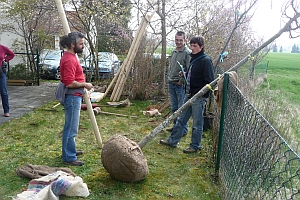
(121, 70)
(128, 62)
(116, 94)
(205, 89)
(123, 76)
(66, 28)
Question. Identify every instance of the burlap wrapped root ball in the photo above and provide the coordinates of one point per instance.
(124, 159)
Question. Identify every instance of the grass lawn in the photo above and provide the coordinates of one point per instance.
(279, 95)
(283, 75)
(35, 138)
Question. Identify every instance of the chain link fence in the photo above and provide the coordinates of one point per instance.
(255, 161)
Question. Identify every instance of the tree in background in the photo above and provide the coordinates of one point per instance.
(105, 24)
(33, 21)
(225, 26)
(274, 48)
(168, 18)
(295, 49)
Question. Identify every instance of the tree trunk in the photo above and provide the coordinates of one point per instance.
(163, 51)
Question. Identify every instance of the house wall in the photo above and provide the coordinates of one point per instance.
(7, 39)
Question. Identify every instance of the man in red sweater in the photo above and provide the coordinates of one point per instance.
(70, 91)
(5, 55)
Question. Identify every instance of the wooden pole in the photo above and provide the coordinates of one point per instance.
(130, 57)
(66, 28)
(123, 76)
(126, 65)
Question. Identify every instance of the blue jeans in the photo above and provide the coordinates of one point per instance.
(4, 94)
(176, 100)
(72, 106)
(196, 111)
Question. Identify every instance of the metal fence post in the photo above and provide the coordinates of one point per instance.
(221, 131)
(38, 67)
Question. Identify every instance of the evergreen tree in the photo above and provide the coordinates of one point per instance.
(295, 49)
(275, 48)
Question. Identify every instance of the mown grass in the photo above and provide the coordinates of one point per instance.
(277, 96)
(35, 138)
(283, 75)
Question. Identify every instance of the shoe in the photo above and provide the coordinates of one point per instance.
(190, 150)
(163, 142)
(79, 153)
(75, 163)
(169, 129)
(184, 134)
(6, 114)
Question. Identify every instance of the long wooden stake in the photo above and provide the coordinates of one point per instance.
(130, 57)
(117, 114)
(127, 62)
(66, 28)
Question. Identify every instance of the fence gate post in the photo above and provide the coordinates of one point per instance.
(221, 131)
(38, 67)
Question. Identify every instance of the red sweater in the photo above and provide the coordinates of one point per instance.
(70, 69)
(5, 54)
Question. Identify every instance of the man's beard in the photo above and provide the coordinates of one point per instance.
(78, 50)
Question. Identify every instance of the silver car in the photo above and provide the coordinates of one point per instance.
(108, 64)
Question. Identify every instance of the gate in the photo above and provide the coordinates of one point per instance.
(23, 69)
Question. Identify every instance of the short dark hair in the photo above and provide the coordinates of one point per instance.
(72, 37)
(197, 40)
(181, 33)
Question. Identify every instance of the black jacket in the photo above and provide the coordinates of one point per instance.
(201, 74)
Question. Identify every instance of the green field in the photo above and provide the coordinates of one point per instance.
(281, 95)
(283, 75)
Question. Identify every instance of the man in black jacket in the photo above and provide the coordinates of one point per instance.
(200, 73)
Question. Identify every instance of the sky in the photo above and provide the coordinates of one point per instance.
(267, 22)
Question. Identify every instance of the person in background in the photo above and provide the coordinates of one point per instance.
(176, 84)
(200, 73)
(69, 92)
(5, 55)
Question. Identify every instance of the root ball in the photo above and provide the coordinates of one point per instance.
(124, 159)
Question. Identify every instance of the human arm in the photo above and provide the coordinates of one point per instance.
(76, 84)
(9, 54)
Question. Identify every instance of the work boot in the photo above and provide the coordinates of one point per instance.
(75, 163)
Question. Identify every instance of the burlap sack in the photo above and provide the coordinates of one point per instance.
(38, 171)
(218, 92)
(124, 159)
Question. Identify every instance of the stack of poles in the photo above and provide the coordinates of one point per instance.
(66, 28)
(123, 73)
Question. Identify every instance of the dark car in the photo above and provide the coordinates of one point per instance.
(49, 65)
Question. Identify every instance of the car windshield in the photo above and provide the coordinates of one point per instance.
(103, 57)
(51, 55)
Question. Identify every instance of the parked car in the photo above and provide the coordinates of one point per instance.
(108, 64)
(49, 64)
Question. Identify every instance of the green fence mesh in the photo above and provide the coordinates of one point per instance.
(256, 162)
